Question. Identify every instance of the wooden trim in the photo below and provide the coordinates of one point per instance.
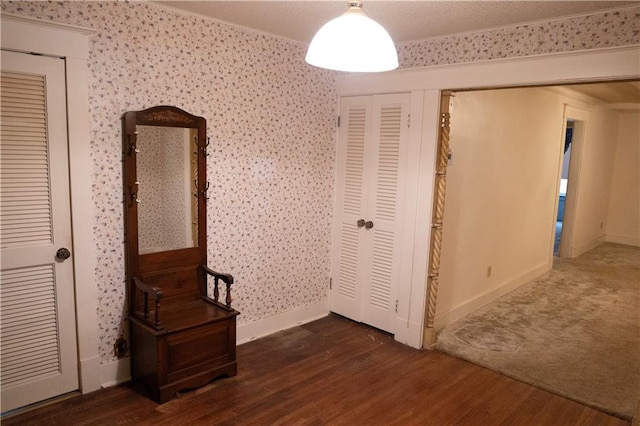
(440, 184)
(606, 64)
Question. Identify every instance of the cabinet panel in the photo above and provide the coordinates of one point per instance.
(198, 349)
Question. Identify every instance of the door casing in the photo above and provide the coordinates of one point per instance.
(30, 257)
(71, 43)
(606, 64)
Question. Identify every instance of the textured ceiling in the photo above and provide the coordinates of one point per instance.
(410, 20)
(405, 20)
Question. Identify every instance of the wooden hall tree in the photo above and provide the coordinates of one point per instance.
(182, 334)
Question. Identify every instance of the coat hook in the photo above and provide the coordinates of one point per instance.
(132, 145)
(204, 148)
(134, 196)
(204, 191)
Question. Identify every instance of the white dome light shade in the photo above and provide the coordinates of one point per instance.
(353, 42)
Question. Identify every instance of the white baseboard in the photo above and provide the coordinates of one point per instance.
(622, 239)
(248, 332)
(90, 374)
(578, 250)
(115, 372)
(441, 320)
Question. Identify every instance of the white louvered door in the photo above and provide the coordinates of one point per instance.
(351, 206)
(38, 358)
(371, 159)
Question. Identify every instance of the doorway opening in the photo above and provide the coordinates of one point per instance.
(564, 182)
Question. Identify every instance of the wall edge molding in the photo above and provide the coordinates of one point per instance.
(115, 372)
(519, 25)
(47, 24)
(547, 69)
(442, 320)
(622, 239)
(239, 27)
(248, 332)
(578, 250)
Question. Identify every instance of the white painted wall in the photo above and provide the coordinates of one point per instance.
(623, 221)
(502, 184)
(595, 175)
(501, 195)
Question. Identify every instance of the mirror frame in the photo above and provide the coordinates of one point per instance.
(161, 116)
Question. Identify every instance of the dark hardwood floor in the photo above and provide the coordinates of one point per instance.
(333, 371)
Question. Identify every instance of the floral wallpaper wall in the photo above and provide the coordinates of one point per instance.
(271, 120)
(607, 29)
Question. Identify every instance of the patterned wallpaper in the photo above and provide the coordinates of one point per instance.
(271, 121)
(615, 28)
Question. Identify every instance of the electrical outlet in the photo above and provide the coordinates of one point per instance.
(120, 348)
(488, 271)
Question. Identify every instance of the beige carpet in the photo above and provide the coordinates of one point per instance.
(574, 331)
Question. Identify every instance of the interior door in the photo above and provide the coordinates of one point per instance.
(370, 180)
(351, 206)
(39, 354)
(388, 150)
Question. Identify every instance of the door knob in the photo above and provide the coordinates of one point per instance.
(63, 254)
(360, 223)
(368, 224)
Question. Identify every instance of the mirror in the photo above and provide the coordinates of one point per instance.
(167, 167)
(165, 184)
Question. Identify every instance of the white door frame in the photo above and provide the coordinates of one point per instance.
(615, 63)
(71, 43)
(581, 117)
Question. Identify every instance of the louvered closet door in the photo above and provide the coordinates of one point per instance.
(351, 206)
(38, 344)
(388, 150)
(371, 159)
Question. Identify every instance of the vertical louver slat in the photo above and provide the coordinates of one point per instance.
(30, 344)
(383, 249)
(348, 261)
(354, 159)
(388, 162)
(25, 217)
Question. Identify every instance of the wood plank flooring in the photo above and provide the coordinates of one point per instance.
(332, 371)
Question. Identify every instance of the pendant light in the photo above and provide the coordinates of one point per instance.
(353, 42)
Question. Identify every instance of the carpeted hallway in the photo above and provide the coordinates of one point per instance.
(574, 331)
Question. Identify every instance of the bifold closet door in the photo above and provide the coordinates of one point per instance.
(370, 181)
